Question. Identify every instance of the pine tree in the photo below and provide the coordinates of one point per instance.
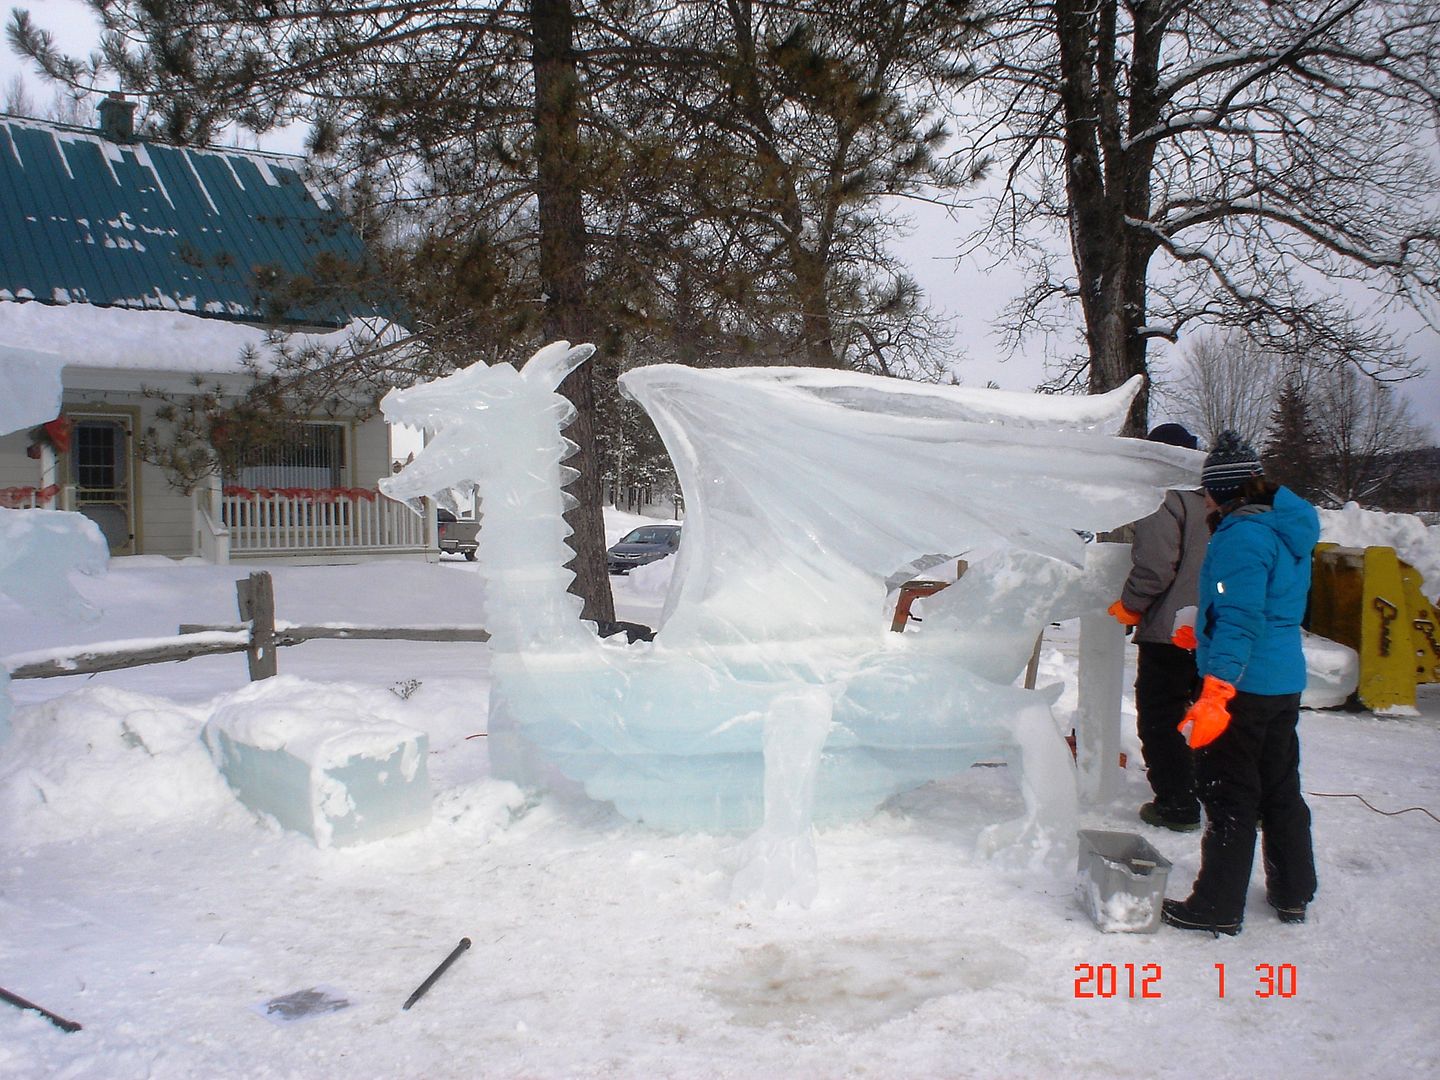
(1291, 454)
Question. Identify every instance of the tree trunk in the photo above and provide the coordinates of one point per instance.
(812, 295)
(1106, 180)
(562, 275)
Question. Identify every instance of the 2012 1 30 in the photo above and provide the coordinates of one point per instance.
(1142, 981)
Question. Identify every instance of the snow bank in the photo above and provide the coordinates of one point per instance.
(1415, 542)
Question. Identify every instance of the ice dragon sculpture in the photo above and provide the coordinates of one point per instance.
(805, 491)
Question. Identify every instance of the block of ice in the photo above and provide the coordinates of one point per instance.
(1332, 672)
(805, 491)
(38, 551)
(29, 387)
(321, 760)
(39, 548)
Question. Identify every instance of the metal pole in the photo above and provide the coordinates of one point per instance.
(424, 986)
(20, 1002)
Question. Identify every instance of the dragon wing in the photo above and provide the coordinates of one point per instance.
(806, 488)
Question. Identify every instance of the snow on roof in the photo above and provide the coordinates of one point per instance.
(85, 336)
(146, 225)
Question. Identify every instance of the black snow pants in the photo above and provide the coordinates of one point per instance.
(1164, 688)
(1250, 776)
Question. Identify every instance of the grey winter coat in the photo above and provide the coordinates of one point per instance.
(1166, 557)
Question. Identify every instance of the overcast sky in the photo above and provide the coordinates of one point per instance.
(973, 292)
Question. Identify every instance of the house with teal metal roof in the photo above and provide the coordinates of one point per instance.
(145, 272)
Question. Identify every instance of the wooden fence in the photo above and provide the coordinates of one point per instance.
(258, 636)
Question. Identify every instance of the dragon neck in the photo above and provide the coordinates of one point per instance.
(524, 546)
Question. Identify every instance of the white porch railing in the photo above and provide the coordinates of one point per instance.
(28, 497)
(290, 521)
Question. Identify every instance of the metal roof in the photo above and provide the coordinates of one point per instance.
(136, 224)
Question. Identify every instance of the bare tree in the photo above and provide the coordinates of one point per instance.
(1365, 435)
(1210, 163)
(1225, 383)
(66, 106)
(17, 98)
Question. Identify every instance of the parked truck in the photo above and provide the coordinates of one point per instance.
(458, 536)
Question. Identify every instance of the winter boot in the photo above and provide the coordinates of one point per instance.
(1179, 914)
(1153, 814)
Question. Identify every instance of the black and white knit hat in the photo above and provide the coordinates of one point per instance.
(1228, 466)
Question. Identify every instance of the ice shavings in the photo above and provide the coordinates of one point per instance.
(1120, 911)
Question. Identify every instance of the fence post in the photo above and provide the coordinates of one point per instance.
(256, 598)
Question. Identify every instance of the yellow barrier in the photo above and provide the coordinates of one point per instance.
(1371, 601)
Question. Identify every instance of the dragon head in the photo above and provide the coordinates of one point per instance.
(478, 413)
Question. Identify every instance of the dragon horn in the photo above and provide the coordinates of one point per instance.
(553, 362)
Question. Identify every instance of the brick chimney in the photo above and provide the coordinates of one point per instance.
(117, 117)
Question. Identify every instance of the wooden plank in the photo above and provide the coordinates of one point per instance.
(384, 633)
(114, 659)
(294, 635)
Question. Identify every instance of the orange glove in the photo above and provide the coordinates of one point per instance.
(1123, 614)
(1207, 719)
(1185, 638)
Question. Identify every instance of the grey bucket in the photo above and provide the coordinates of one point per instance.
(1120, 881)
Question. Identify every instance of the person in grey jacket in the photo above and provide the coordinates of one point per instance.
(1166, 556)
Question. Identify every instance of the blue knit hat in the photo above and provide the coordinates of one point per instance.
(1228, 466)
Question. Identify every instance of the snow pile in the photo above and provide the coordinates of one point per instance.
(99, 761)
(1414, 542)
(652, 580)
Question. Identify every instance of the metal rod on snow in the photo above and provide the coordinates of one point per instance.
(454, 953)
(58, 1021)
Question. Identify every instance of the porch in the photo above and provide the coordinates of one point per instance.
(309, 525)
(233, 524)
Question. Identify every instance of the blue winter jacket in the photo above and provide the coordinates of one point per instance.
(1253, 588)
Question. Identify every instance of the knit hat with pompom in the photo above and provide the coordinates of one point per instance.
(1229, 464)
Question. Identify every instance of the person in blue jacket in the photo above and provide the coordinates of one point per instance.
(1254, 585)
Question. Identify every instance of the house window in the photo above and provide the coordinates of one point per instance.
(305, 456)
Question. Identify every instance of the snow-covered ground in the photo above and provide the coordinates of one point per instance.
(138, 898)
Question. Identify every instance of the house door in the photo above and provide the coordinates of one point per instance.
(101, 471)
